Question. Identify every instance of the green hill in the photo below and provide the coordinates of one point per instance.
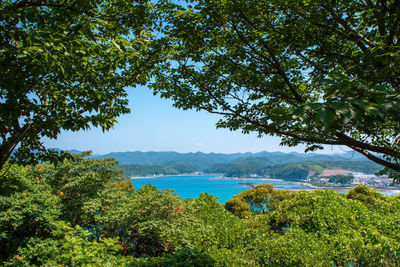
(289, 171)
(202, 161)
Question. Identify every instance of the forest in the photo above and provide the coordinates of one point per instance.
(312, 73)
(290, 171)
(280, 166)
(247, 167)
(84, 212)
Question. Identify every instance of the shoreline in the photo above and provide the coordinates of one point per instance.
(339, 189)
(246, 179)
(166, 175)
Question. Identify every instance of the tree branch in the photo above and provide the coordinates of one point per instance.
(385, 163)
(258, 123)
(350, 142)
(354, 36)
(275, 62)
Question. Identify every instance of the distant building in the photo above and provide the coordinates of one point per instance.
(361, 175)
(371, 179)
(324, 180)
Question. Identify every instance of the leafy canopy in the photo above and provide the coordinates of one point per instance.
(65, 66)
(84, 212)
(310, 72)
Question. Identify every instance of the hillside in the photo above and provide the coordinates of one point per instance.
(198, 160)
(274, 164)
(202, 161)
(291, 170)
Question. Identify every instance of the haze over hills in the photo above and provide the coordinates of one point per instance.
(276, 164)
(201, 160)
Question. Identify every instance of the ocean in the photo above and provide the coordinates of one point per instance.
(193, 186)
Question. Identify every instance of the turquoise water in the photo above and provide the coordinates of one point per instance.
(193, 186)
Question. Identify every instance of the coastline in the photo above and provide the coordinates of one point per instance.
(166, 175)
(340, 189)
(245, 179)
(145, 177)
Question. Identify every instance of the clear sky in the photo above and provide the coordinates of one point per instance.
(155, 125)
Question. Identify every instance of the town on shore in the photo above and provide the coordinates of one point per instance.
(336, 179)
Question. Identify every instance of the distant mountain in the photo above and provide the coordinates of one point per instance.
(198, 160)
(274, 164)
(201, 161)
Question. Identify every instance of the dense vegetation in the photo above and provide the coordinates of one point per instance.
(341, 179)
(311, 72)
(247, 166)
(82, 211)
(289, 171)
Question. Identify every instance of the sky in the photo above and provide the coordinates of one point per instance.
(155, 125)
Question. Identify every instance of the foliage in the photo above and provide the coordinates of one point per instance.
(182, 258)
(242, 170)
(311, 72)
(221, 235)
(78, 249)
(261, 199)
(341, 179)
(72, 247)
(368, 196)
(148, 224)
(89, 194)
(346, 231)
(27, 209)
(83, 212)
(291, 171)
(35, 199)
(65, 66)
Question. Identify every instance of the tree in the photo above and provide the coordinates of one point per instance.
(35, 199)
(341, 179)
(311, 72)
(259, 200)
(65, 66)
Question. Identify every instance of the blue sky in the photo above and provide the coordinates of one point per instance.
(155, 125)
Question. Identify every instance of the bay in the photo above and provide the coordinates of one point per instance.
(187, 186)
